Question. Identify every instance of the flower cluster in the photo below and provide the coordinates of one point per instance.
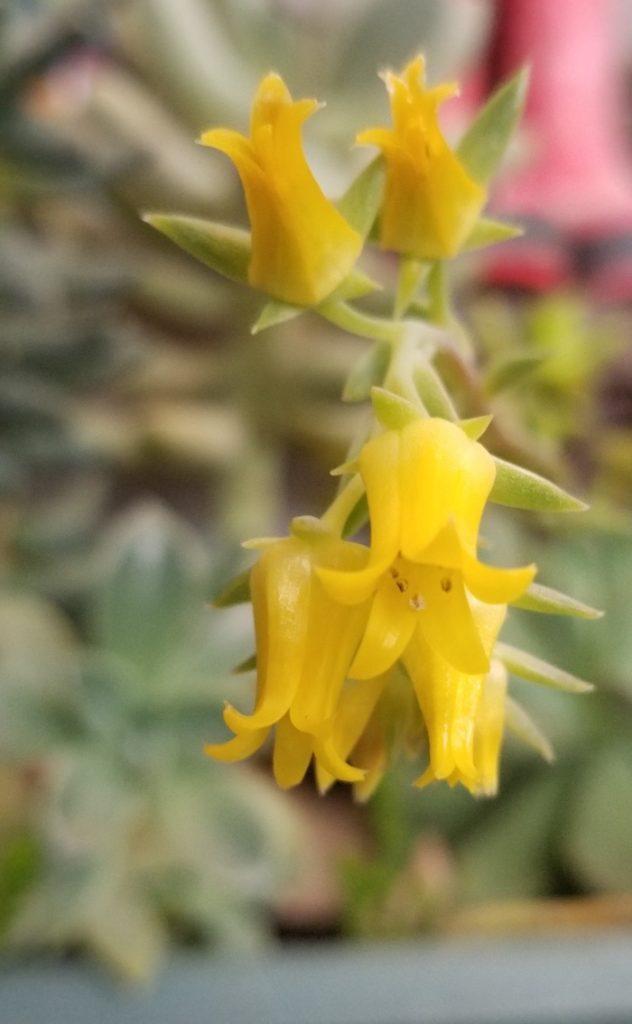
(367, 650)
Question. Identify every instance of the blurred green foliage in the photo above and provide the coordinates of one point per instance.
(143, 431)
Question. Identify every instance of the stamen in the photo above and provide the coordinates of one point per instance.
(402, 586)
(446, 584)
(417, 602)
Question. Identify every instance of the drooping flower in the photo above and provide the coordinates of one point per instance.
(463, 713)
(427, 485)
(302, 247)
(305, 644)
(457, 717)
(431, 203)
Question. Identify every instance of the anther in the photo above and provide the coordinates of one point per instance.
(402, 586)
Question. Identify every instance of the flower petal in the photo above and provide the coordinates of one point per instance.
(327, 756)
(237, 748)
(443, 476)
(333, 636)
(378, 463)
(348, 587)
(292, 753)
(280, 584)
(390, 627)
(447, 622)
(495, 585)
(355, 707)
(490, 722)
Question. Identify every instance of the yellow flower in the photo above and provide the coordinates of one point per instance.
(302, 247)
(431, 203)
(305, 644)
(427, 485)
(463, 713)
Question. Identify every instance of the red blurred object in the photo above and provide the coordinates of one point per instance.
(577, 185)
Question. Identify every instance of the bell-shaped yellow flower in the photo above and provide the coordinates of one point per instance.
(302, 247)
(305, 644)
(458, 716)
(427, 485)
(431, 203)
(463, 713)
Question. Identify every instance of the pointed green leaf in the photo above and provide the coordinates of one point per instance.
(538, 598)
(224, 248)
(273, 313)
(411, 274)
(393, 411)
(247, 665)
(490, 232)
(508, 373)
(483, 146)
(368, 372)
(433, 392)
(235, 592)
(362, 200)
(527, 666)
(517, 487)
(520, 723)
(475, 426)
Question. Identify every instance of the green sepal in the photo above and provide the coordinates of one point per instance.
(247, 665)
(368, 372)
(393, 411)
(432, 391)
(475, 426)
(224, 248)
(520, 723)
(273, 313)
(527, 666)
(517, 487)
(490, 232)
(411, 274)
(538, 598)
(362, 201)
(345, 468)
(508, 373)
(358, 517)
(355, 286)
(483, 146)
(235, 592)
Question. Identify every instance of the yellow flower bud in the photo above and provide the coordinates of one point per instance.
(431, 203)
(302, 247)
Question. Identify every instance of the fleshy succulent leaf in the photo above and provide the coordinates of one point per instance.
(538, 598)
(224, 248)
(484, 144)
(527, 666)
(517, 487)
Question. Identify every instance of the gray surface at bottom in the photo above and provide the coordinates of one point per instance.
(583, 980)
